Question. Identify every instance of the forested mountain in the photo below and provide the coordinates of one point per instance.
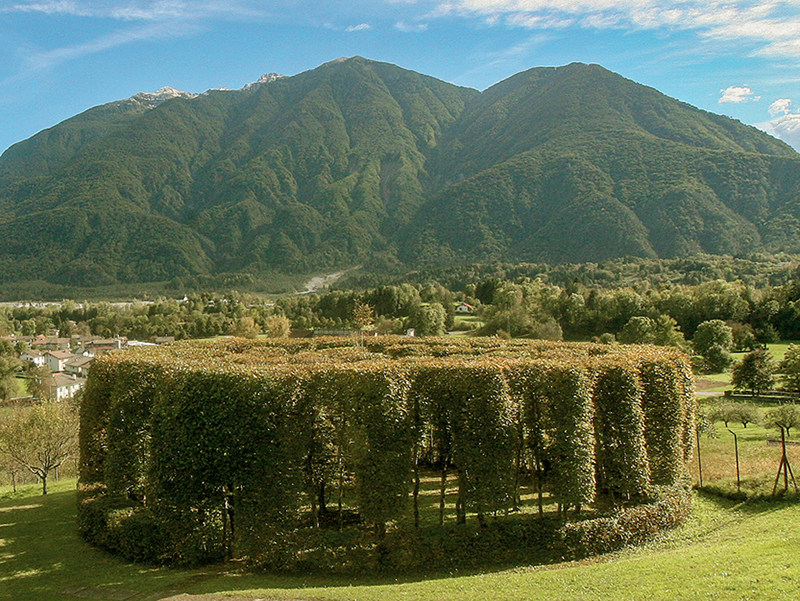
(360, 162)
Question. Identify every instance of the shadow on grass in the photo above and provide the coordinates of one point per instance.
(42, 557)
(749, 505)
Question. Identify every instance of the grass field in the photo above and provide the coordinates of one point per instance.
(726, 551)
(758, 461)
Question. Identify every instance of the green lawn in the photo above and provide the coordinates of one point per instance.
(726, 551)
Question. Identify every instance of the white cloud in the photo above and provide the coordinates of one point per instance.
(771, 26)
(47, 60)
(764, 27)
(49, 8)
(738, 94)
(359, 27)
(786, 128)
(780, 107)
(411, 27)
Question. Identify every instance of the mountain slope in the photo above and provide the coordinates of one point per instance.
(578, 164)
(364, 162)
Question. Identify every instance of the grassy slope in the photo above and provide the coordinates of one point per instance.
(725, 552)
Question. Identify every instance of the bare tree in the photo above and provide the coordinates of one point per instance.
(40, 438)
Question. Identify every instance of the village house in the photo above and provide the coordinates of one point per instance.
(55, 360)
(100, 346)
(50, 343)
(78, 366)
(61, 387)
(34, 356)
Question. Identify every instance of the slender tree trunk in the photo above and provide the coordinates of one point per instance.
(314, 512)
(539, 478)
(461, 509)
(442, 492)
(321, 498)
(517, 468)
(416, 486)
(340, 461)
(229, 521)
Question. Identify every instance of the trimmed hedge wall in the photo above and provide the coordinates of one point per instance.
(234, 448)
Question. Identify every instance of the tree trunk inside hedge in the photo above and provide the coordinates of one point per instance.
(442, 492)
(461, 502)
(416, 486)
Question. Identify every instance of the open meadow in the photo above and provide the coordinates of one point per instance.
(727, 550)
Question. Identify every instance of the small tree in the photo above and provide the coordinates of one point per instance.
(713, 340)
(745, 413)
(430, 320)
(717, 359)
(755, 372)
(38, 382)
(724, 412)
(277, 326)
(638, 330)
(743, 337)
(786, 416)
(40, 438)
(246, 327)
(8, 384)
(363, 316)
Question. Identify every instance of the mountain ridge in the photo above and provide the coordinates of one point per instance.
(363, 162)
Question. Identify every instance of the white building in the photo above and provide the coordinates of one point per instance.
(78, 366)
(61, 387)
(56, 360)
(35, 357)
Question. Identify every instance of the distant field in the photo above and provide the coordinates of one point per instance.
(758, 461)
(726, 551)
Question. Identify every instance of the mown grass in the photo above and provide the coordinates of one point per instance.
(726, 551)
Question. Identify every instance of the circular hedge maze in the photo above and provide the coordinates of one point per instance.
(392, 454)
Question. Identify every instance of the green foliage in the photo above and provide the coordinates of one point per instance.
(214, 448)
(790, 368)
(744, 413)
(622, 464)
(711, 333)
(429, 320)
(9, 365)
(39, 438)
(786, 416)
(713, 340)
(755, 372)
(667, 412)
(634, 525)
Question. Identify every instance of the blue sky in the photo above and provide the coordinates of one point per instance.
(61, 57)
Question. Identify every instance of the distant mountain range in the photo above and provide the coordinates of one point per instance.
(362, 162)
